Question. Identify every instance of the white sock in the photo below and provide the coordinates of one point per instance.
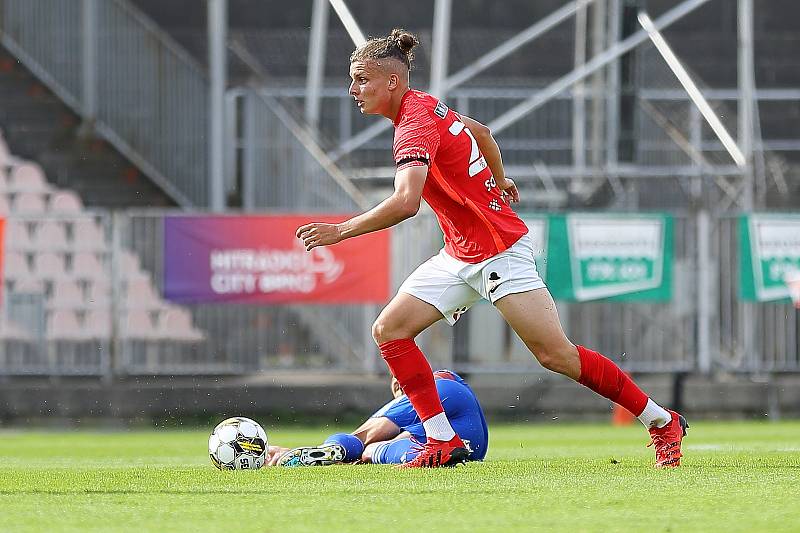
(438, 427)
(654, 415)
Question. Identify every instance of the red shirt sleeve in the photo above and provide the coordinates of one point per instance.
(416, 141)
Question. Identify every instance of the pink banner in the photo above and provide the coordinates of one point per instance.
(258, 259)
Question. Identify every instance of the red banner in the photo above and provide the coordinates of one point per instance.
(258, 259)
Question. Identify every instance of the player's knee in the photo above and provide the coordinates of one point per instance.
(559, 359)
(385, 331)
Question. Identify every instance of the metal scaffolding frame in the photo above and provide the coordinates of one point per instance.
(600, 70)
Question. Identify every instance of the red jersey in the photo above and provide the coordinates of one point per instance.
(477, 223)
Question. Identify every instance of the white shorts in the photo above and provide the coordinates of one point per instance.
(452, 286)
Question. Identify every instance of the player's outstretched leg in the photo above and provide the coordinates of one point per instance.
(667, 441)
(394, 332)
(338, 448)
(534, 318)
(667, 428)
(322, 455)
(443, 446)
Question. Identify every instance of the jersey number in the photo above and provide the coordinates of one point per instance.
(476, 161)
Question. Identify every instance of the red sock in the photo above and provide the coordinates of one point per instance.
(413, 372)
(605, 378)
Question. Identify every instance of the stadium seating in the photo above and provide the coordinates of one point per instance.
(16, 267)
(29, 203)
(27, 177)
(87, 235)
(65, 202)
(176, 323)
(86, 266)
(57, 265)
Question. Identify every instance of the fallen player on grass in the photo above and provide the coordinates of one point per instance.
(394, 434)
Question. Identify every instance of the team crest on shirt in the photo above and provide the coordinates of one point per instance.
(440, 110)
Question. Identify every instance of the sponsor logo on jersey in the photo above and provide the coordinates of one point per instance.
(440, 110)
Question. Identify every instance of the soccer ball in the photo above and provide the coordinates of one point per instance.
(238, 443)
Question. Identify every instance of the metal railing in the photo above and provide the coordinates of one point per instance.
(126, 290)
(546, 136)
(281, 164)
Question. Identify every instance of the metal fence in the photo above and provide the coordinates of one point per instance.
(279, 161)
(80, 305)
(145, 94)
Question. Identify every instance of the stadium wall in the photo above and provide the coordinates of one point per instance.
(318, 397)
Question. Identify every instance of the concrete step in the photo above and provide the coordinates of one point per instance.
(39, 127)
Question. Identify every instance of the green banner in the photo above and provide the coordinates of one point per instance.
(769, 248)
(610, 257)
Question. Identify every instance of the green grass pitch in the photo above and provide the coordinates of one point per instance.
(537, 477)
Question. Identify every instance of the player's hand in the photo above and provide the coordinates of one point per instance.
(274, 454)
(318, 234)
(509, 191)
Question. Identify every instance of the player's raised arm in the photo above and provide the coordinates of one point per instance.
(403, 204)
(491, 152)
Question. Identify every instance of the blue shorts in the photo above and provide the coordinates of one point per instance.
(461, 408)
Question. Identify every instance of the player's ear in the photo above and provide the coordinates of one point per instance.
(394, 81)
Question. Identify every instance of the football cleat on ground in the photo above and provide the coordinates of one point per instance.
(667, 441)
(436, 453)
(326, 454)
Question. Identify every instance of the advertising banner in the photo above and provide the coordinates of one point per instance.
(769, 251)
(610, 256)
(258, 259)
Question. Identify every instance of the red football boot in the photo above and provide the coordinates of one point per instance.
(436, 453)
(667, 441)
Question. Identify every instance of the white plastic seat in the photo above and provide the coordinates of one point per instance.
(17, 236)
(98, 293)
(65, 202)
(29, 286)
(140, 294)
(67, 294)
(86, 265)
(63, 324)
(28, 177)
(16, 267)
(87, 235)
(129, 267)
(176, 324)
(139, 325)
(97, 324)
(49, 265)
(29, 203)
(50, 235)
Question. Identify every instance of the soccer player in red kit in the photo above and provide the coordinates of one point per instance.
(454, 163)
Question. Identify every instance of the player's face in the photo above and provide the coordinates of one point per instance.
(370, 87)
